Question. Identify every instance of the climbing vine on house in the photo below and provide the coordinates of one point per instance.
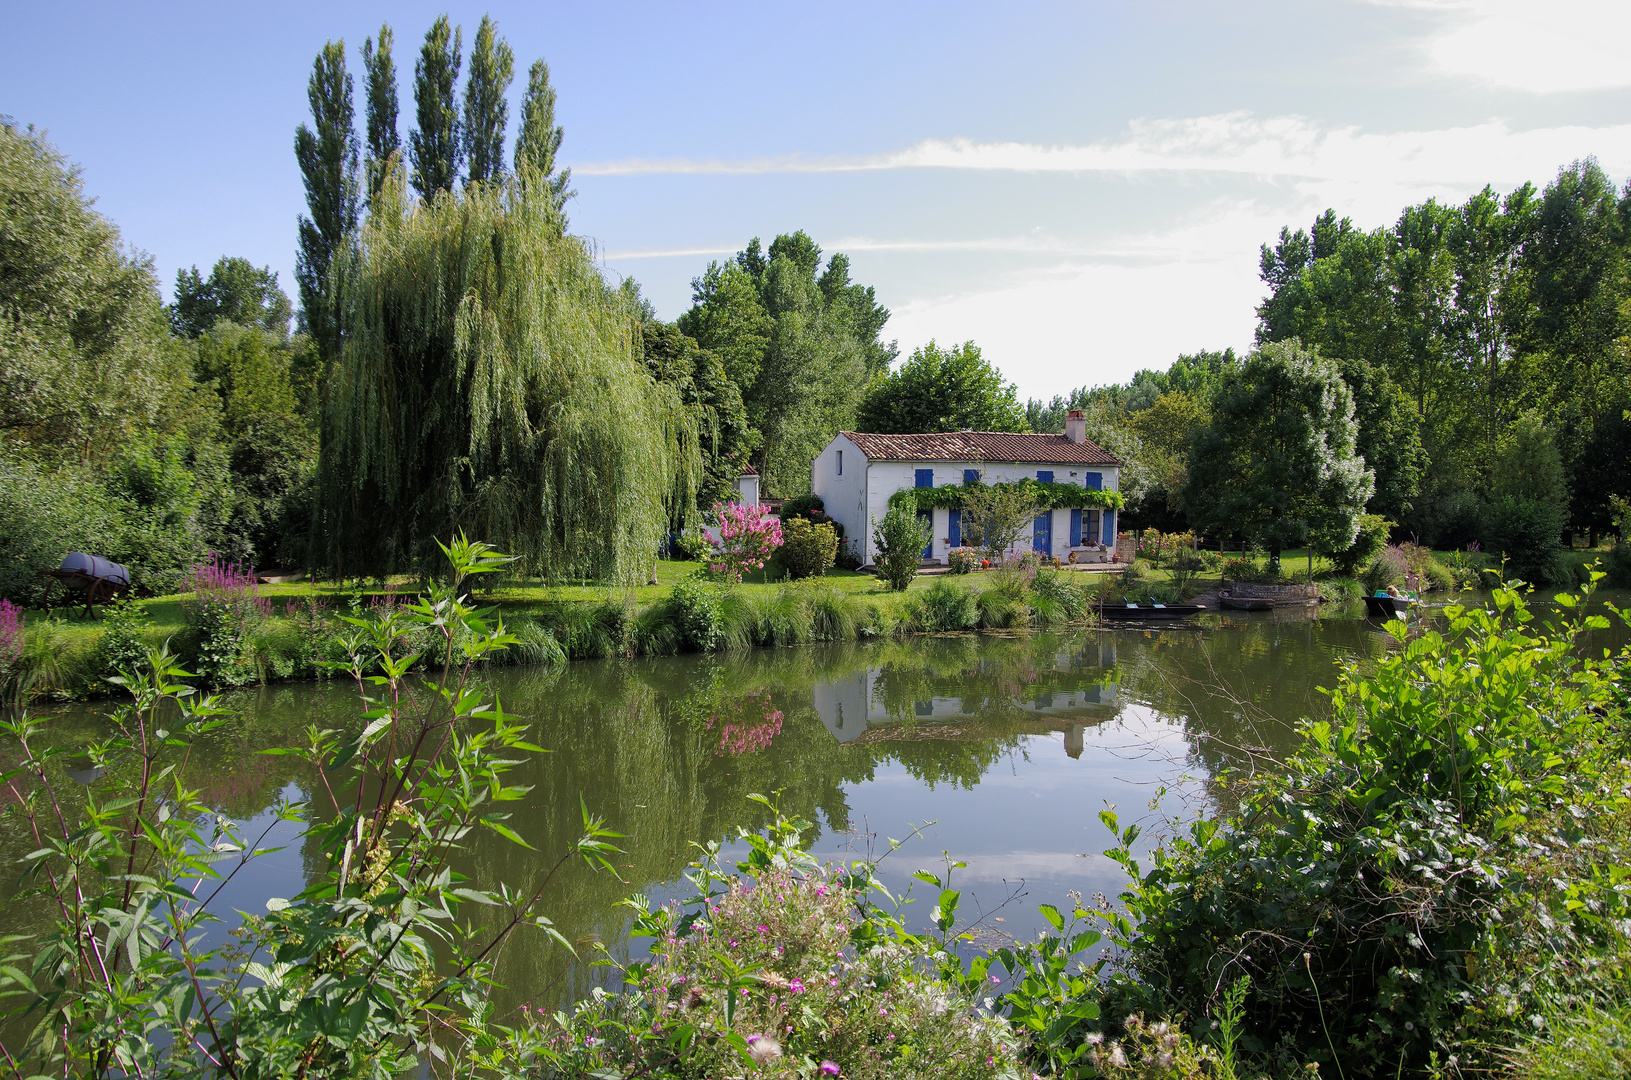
(1046, 496)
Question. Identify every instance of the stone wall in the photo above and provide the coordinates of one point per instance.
(1282, 594)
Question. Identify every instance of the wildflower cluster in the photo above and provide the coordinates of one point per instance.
(748, 535)
(11, 632)
(225, 605)
(766, 979)
(1151, 1050)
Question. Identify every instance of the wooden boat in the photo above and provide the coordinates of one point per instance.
(1149, 611)
(1384, 607)
(1245, 603)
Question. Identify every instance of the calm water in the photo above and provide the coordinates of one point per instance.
(1003, 749)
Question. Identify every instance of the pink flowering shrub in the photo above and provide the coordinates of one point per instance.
(226, 604)
(748, 536)
(11, 633)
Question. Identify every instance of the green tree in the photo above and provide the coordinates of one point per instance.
(434, 147)
(725, 440)
(383, 140)
(898, 542)
(486, 113)
(939, 389)
(492, 382)
(86, 357)
(539, 139)
(1389, 437)
(1166, 431)
(328, 167)
(1278, 462)
(236, 291)
(801, 343)
(997, 517)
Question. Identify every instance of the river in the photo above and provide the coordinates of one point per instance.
(1000, 750)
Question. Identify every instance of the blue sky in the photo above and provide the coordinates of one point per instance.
(1079, 188)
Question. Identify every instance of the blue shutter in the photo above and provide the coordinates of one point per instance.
(925, 478)
(1075, 528)
(1044, 476)
(1042, 537)
(928, 516)
(971, 476)
(1110, 527)
(1093, 481)
(955, 535)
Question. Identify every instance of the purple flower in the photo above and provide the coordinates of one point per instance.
(829, 1068)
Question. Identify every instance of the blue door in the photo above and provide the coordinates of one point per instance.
(1042, 539)
(1110, 528)
(955, 533)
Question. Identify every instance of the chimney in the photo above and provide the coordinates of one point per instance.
(1076, 426)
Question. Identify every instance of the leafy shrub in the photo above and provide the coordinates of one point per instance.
(123, 646)
(13, 640)
(697, 614)
(45, 515)
(807, 549)
(810, 508)
(1388, 892)
(1241, 568)
(225, 607)
(1063, 591)
(1528, 532)
(962, 560)
(693, 545)
(1368, 543)
(899, 539)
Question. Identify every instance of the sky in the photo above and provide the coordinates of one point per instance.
(1079, 188)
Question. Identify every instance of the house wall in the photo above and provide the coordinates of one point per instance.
(887, 477)
(844, 496)
(747, 490)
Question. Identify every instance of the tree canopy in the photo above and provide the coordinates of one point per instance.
(799, 339)
(939, 389)
(236, 291)
(1278, 461)
(492, 381)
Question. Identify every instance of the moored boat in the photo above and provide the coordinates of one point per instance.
(1149, 611)
(1387, 606)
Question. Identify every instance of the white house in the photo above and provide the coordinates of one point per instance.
(857, 473)
(747, 486)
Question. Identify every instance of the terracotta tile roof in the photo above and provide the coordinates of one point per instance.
(993, 446)
(748, 470)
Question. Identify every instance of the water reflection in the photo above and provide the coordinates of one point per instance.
(1011, 745)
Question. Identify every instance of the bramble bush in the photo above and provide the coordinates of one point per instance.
(1438, 869)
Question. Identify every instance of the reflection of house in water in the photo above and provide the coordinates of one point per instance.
(854, 706)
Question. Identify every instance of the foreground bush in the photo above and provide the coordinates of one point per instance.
(1431, 876)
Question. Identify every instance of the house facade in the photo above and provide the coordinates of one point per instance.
(857, 473)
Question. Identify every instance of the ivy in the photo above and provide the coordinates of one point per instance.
(1047, 496)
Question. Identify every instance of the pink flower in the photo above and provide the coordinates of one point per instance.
(797, 986)
(829, 1068)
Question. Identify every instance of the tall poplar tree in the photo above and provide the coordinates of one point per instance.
(486, 113)
(433, 147)
(383, 140)
(540, 138)
(328, 167)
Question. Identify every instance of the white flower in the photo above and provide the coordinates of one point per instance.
(763, 1049)
(1117, 1057)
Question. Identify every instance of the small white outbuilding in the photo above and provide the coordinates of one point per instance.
(857, 472)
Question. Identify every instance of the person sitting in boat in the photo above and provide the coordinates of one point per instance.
(1393, 591)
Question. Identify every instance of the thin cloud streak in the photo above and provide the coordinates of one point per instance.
(1238, 143)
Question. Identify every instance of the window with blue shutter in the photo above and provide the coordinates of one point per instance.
(1044, 476)
(1093, 481)
(1075, 528)
(971, 476)
(925, 478)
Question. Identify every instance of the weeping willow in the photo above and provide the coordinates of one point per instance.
(490, 381)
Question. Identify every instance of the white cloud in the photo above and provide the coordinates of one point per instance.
(1238, 142)
(1564, 45)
